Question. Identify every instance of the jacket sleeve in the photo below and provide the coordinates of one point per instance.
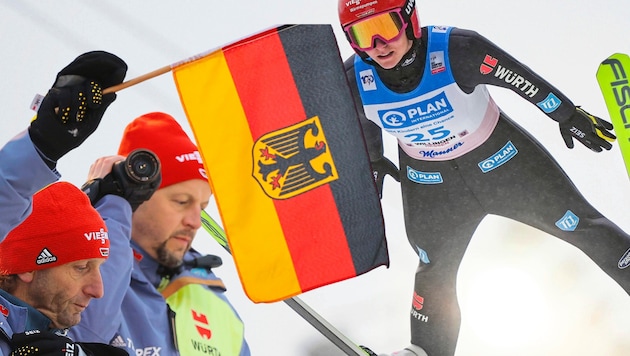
(22, 174)
(475, 60)
(103, 317)
(371, 132)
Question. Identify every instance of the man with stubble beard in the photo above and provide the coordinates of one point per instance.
(173, 304)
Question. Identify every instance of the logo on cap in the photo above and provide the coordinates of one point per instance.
(45, 257)
(100, 235)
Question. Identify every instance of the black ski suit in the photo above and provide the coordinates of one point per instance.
(509, 174)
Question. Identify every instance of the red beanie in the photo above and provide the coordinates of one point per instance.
(63, 227)
(162, 134)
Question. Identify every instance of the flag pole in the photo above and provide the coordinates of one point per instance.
(155, 73)
(138, 80)
(299, 306)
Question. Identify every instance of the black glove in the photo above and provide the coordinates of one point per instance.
(590, 130)
(45, 343)
(135, 179)
(72, 109)
(380, 168)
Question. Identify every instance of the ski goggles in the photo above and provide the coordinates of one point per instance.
(386, 27)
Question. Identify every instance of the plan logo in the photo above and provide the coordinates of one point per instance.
(415, 113)
(424, 177)
(498, 159)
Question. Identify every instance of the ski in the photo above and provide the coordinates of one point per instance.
(613, 75)
(299, 306)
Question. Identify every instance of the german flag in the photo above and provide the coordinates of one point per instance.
(276, 126)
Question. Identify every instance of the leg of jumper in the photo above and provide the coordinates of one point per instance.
(533, 189)
(440, 220)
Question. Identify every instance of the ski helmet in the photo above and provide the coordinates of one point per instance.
(351, 11)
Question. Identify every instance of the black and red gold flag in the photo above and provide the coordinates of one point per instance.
(279, 134)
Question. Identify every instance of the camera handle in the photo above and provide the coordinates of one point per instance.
(99, 187)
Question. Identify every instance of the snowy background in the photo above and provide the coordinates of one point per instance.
(522, 292)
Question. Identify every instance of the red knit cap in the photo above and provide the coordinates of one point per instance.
(63, 227)
(162, 134)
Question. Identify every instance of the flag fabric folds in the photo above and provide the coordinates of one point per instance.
(276, 126)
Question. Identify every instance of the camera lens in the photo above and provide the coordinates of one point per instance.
(142, 166)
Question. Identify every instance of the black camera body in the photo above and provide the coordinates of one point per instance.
(136, 179)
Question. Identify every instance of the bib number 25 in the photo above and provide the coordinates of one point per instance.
(434, 134)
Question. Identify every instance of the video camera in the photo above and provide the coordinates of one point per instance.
(136, 179)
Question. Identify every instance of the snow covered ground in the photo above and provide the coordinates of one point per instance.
(522, 292)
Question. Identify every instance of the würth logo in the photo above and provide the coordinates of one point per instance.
(488, 65)
(45, 257)
(4, 310)
(203, 328)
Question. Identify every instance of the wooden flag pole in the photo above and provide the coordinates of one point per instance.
(138, 80)
(155, 73)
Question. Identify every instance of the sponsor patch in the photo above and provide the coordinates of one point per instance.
(418, 301)
(424, 177)
(491, 64)
(423, 255)
(568, 222)
(416, 113)
(417, 305)
(437, 62)
(367, 80)
(505, 154)
(187, 157)
(439, 29)
(4, 310)
(550, 104)
(624, 261)
(100, 235)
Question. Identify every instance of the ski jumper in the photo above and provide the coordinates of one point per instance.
(461, 159)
